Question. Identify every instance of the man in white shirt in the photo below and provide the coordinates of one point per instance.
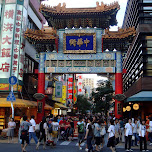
(32, 133)
(128, 135)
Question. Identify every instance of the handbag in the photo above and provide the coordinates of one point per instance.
(133, 137)
(103, 131)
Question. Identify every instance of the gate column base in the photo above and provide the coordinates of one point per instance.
(118, 90)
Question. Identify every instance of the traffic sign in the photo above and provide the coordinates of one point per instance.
(11, 97)
(12, 80)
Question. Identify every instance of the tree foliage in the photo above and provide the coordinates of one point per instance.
(82, 104)
(104, 89)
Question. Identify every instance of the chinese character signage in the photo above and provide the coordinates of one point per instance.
(80, 84)
(70, 90)
(17, 57)
(7, 40)
(64, 94)
(79, 43)
(58, 89)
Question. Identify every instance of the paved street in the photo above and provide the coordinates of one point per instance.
(62, 146)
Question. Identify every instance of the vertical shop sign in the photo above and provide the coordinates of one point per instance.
(70, 90)
(80, 84)
(7, 40)
(22, 53)
(17, 41)
(58, 89)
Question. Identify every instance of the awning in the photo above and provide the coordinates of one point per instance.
(48, 107)
(21, 103)
(141, 96)
(59, 105)
(18, 103)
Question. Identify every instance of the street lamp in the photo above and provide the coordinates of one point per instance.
(104, 99)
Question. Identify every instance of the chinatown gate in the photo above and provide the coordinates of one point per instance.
(83, 45)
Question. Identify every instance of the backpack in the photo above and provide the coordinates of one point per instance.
(50, 128)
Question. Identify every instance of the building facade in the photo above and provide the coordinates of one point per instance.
(137, 80)
(18, 56)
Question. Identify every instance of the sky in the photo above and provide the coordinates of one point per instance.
(92, 3)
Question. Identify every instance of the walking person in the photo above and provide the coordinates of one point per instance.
(43, 132)
(11, 127)
(117, 130)
(135, 134)
(89, 135)
(32, 133)
(122, 131)
(142, 135)
(24, 133)
(81, 126)
(102, 133)
(55, 128)
(71, 132)
(128, 135)
(111, 137)
(97, 130)
(150, 133)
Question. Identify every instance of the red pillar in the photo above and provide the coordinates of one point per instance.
(41, 88)
(118, 90)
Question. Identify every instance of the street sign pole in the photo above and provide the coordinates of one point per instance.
(12, 81)
(12, 103)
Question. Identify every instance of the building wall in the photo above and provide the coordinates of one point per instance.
(139, 54)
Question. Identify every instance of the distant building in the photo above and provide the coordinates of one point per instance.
(88, 82)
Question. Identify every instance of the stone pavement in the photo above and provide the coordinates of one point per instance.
(62, 146)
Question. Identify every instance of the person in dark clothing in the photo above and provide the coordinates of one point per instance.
(43, 131)
(24, 133)
(89, 135)
(71, 132)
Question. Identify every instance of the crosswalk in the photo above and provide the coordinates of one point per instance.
(65, 143)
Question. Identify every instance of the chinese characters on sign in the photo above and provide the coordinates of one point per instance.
(79, 84)
(70, 90)
(17, 57)
(7, 40)
(79, 43)
(58, 89)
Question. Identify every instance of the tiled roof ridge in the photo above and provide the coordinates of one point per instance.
(121, 33)
(43, 34)
(62, 9)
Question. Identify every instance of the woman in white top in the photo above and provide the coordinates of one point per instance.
(142, 135)
(135, 126)
(55, 127)
(128, 135)
(111, 137)
(11, 126)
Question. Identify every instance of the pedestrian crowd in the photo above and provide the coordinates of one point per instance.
(92, 129)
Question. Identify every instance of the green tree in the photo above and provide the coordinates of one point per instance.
(104, 89)
(82, 104)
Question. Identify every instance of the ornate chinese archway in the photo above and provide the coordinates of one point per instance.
(81, 50)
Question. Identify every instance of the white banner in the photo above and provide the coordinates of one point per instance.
(7, 40)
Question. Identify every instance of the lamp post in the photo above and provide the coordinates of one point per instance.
(104, 99)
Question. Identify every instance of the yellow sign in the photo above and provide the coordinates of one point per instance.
(63, 94)
(136, 106)
(4, 87)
